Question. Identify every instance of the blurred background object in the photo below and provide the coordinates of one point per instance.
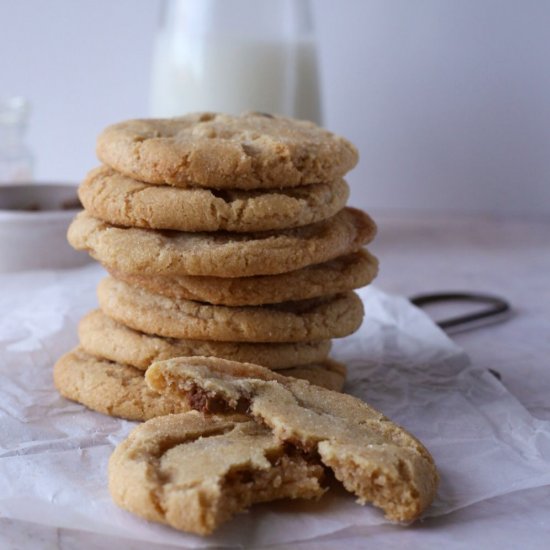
(16, 161)
(215, 55)
(34, 218)
(448, 102)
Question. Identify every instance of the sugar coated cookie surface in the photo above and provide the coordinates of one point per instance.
(374, 458)
(111, 388)
(250, 151)
(120, 200)
(335, 276)
(120, 390)
(328, 374)
(194, 473)
(315, 319)
(104, 337)
(220, 254)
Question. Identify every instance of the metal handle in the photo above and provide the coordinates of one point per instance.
(499, 309)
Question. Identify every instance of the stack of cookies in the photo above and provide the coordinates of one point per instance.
(228, 242)
(224, 236)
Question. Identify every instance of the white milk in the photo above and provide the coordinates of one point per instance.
(234, 75)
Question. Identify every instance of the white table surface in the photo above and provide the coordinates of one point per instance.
(426, 253)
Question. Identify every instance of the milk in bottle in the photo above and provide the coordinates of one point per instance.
(236, 55)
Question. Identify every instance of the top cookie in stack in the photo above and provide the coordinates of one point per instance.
(251, 151)
(219, 230)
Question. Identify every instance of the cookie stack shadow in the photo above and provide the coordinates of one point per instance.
(223, 236)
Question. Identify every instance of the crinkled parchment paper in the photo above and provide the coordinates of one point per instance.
(54, 453)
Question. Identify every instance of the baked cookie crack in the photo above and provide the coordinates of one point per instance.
(194, 472)
(374, 458)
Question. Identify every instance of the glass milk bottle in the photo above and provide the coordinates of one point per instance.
(236, 55)
(16, 161)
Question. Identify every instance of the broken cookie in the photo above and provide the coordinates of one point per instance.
(374, 458)
(195, 472)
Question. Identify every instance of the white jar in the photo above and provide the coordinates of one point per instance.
(236, 55)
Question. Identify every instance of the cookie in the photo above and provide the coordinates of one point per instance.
(315, 319)
(111, 388)
(220, 254)
(120, 390)
(339, 275)
(194, 473)
(329, 374)
(250, 151)
(373, 458)
(104, 337)
(120, 200)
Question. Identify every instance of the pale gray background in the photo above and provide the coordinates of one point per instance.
(448, 101)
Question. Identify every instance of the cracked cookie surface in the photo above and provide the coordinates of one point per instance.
(194, 473)
(315, 319)
(104, 337)
(374, 458)
(250, 151)
(120, 200)
(220, 254)
(120, 390)
(111, 388)
(339, 275)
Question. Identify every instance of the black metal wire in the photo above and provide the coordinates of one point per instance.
(497, 306)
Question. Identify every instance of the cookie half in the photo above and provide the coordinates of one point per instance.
(374, 458)
(220, 254)
(120, 200)
(104, 337)
(194, 473)
(335, 276)
(316, 319)
(120, 390)
(250, 151)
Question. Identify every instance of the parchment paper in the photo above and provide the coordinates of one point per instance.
(54, 453)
